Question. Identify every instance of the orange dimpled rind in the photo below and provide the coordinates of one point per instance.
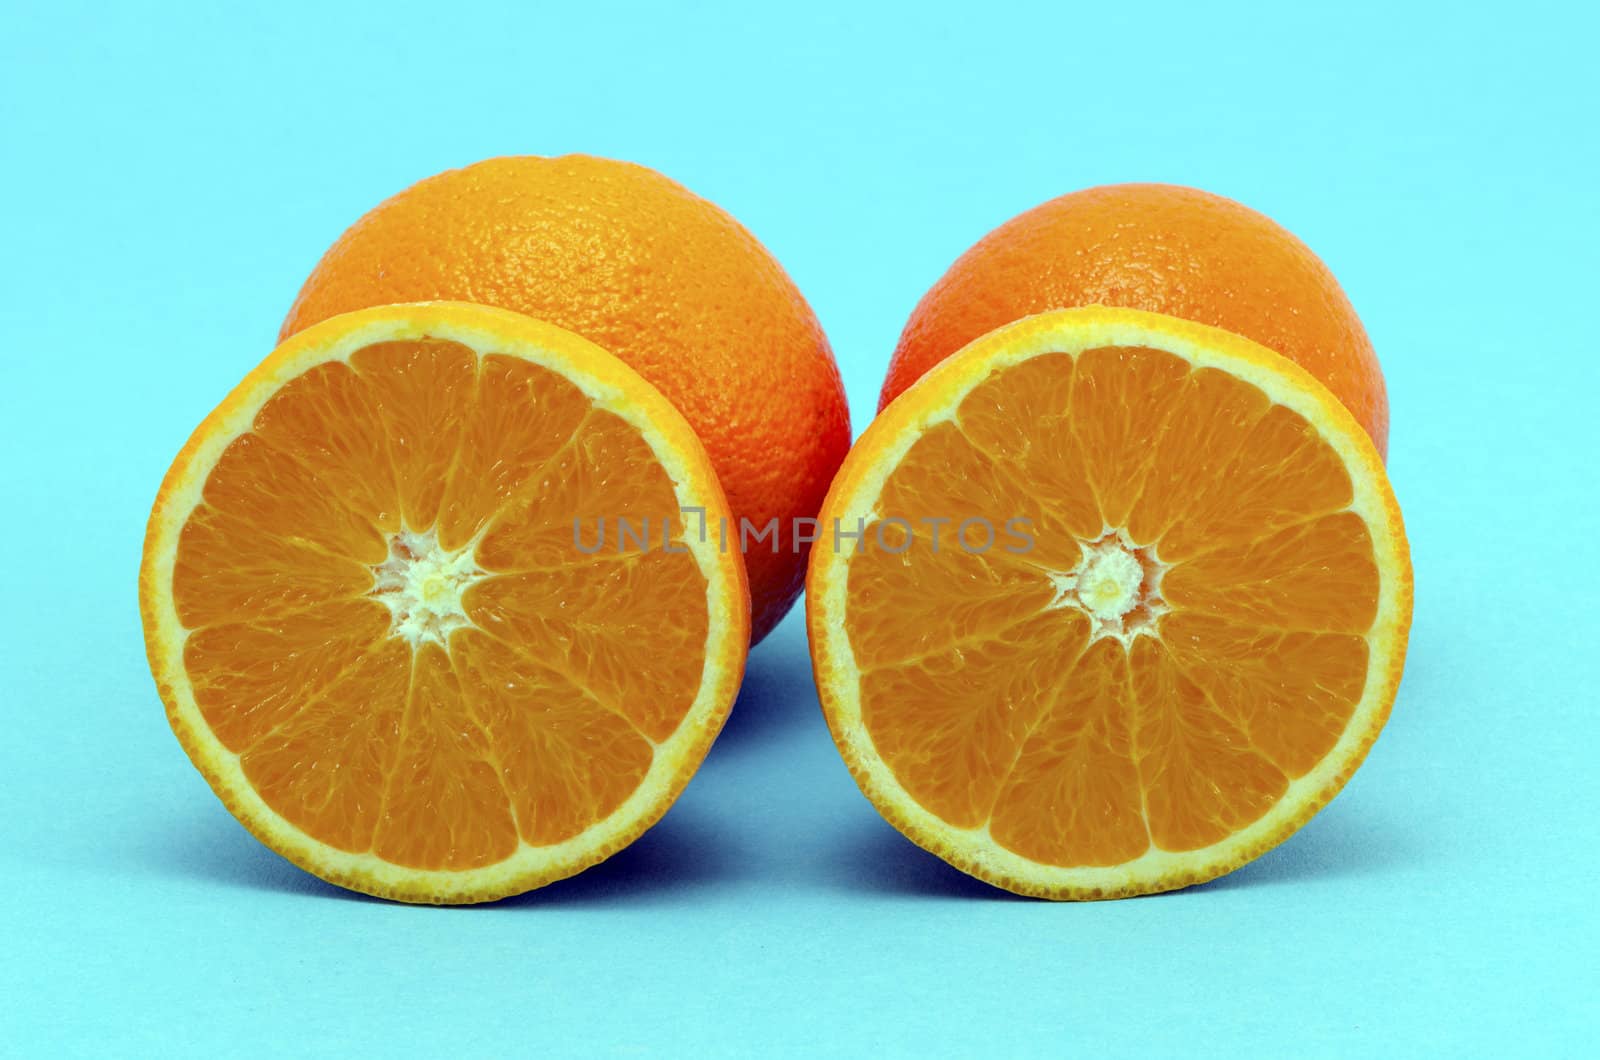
(1159, 248)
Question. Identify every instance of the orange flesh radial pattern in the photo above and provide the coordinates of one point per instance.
(1181, 654)
(373, 629)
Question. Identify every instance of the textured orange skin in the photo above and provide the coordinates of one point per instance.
(1164, 249)
(654, 274)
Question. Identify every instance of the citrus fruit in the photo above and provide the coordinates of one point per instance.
(658, 276)
(1114, 602)
(379, 615)
(1161, 248)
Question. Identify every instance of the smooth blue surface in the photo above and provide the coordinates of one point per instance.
(169, 177)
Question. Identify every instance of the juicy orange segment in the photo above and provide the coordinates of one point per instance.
(377, 634)
(1184, 646)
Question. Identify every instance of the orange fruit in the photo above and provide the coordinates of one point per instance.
(656, 275)
(376, 635)
(1160, 248)
(1166, 621)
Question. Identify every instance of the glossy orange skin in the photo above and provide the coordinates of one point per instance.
(1160, 248)
(651, 272)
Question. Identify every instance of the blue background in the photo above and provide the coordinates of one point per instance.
(170, 176)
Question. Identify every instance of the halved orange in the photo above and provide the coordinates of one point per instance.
(1113, 603)
(387, 626)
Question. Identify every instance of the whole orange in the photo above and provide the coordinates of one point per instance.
(1164, 249)
(658, 276)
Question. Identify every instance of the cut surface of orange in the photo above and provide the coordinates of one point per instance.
(392, 621)
(1115, 602)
